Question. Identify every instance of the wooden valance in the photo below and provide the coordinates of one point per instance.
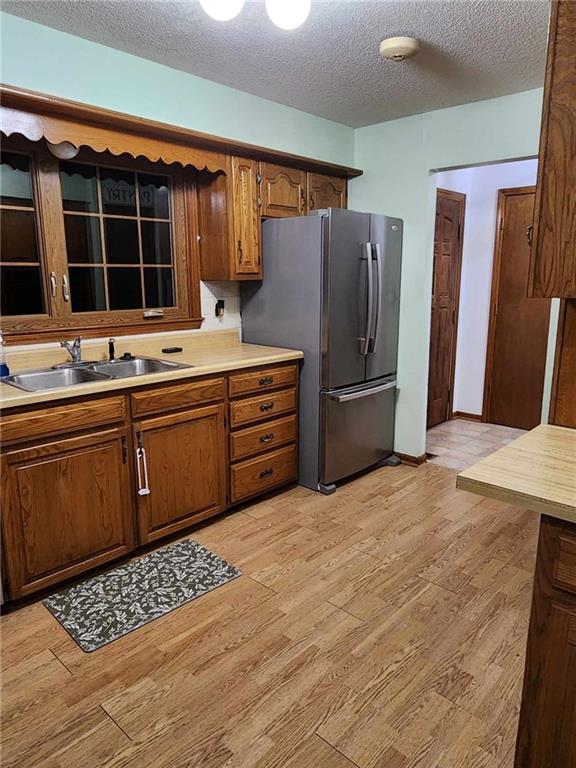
(35, 126)
(37, 115)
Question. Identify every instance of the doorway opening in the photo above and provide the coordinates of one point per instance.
(488, 366)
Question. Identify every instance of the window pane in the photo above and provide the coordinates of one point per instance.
(21, 291)
(121, 241)
(83, 239)
(15, 180)
(124, 288)
(118, 192)
(79, 187)
(154, 196)
(87, 289)
(18, 241)
(159, 287)
(156, 247)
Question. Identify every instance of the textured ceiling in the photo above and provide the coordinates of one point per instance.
(470, 49)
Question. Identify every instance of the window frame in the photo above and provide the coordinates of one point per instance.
(59, 320)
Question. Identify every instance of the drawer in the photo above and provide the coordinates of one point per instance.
(262, 380)
(162, 399)
(264, 407)
(564, 575)
(254, 440)
(255, 476)
(44, 422)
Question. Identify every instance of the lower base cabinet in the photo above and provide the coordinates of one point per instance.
(181, 470)
(67, 507)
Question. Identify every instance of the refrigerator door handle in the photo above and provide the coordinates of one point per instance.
(365, 340)
(376, 325)
(363, 393)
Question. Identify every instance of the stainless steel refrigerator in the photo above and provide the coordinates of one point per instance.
(331, 288)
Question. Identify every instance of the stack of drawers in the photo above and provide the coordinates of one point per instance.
(263, 430)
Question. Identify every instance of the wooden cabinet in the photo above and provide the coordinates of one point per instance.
(553, 261)
(246, 218)
(180, 469)
(282, 190)
(325, 191)
(546, 733)
(67, 508)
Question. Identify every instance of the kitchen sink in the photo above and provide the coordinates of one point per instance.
(34, 381)
(68, 376)
(137, 366)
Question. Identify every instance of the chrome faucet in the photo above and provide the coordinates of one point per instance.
(74, 349)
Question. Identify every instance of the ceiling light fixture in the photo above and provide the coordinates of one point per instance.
(222, 10)
(288, 14)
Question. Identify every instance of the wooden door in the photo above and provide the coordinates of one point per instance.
(183, 467)
(518, 330)
(326, 191)
(67, 508)
(553, 266)
(246, 218)
(448, 235)
(283, 190)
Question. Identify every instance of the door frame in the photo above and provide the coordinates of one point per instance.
(460, 197)
(503, 195)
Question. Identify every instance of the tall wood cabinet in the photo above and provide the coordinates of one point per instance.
(553, 258)
(67, 507)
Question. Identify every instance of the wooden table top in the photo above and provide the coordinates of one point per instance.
(537, 471)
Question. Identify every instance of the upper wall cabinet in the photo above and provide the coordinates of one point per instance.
(283, 190)
(326, 191)
(246, 217)
(553, 263)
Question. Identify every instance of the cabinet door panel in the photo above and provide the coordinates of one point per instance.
(283, 190)
(326, 191)
(246, 218)
(185, 456)
(68, 508)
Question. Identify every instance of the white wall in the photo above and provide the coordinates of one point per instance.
(397, 158)
(480, 185)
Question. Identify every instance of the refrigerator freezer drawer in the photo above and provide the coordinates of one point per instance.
(357, 429)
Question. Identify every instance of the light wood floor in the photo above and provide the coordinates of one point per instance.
(382, 626)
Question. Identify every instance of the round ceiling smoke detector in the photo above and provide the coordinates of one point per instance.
(398, 48)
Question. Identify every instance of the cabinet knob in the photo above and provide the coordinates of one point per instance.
(267, 437)
(266, 473)
(266, 380)
(266, 406)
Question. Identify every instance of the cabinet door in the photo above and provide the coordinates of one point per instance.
(67, 508)
(180, 470)
(283, 190)
(326, 191)
(553, 263)
(246, 218)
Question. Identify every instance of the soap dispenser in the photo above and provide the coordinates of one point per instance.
(4, 370)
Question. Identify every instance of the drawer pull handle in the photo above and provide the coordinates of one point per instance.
(266, 473)
(266, 406)
(266, 438)
(266, 380)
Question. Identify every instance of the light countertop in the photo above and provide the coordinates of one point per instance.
(211, 352)
(537, 471)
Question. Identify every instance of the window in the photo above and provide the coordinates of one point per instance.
(95, 242)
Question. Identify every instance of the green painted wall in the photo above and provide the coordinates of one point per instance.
(397, 158)
(43, 59)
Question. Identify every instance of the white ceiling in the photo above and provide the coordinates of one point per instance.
(471, 49)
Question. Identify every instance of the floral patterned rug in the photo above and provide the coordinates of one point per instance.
(106, 607)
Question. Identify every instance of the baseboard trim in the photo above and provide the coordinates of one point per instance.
(411, 461)
(467, 416)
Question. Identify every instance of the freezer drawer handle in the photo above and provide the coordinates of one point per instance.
(363, 393)
(266, 473)
(266, 406)
(265, 380)
(267, 437)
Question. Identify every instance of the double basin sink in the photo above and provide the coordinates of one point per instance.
(84, 373)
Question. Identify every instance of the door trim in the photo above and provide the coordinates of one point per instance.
(461, 197)
(503, 194)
